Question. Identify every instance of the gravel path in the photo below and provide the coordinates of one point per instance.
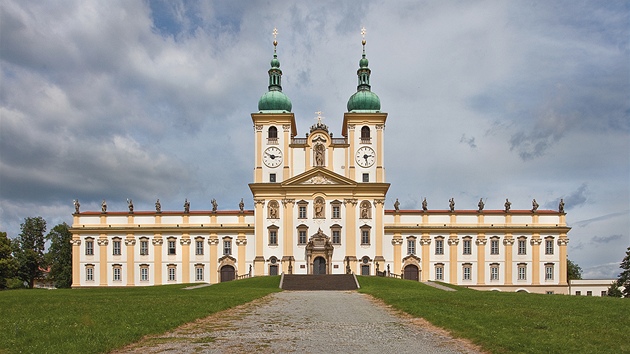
(306, 322)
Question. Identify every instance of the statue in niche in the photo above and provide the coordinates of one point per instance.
(534, 205)
(507, 205)
(319, 155)
(481, 204)
(319, 208)
(451, 204)
(241, 205)
(158, 206)
(365, 211)
(424, 204)
(273, 211)
(103, 206)
(396, 205)
(77, 205)
(130, 205)
(215, 205)
(186, 206)
(561, 206)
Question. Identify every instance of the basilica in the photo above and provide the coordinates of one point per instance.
(319, 208)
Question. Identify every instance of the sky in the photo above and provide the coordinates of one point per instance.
(485, 99)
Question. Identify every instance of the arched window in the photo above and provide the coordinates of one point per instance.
(272, 133)
(365, 133)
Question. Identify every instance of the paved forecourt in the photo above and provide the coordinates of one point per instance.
(306, 322)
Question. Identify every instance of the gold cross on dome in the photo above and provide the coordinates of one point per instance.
(275, 32)
(319, 117)
(363, 32)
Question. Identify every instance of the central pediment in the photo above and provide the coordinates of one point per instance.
(319, 176)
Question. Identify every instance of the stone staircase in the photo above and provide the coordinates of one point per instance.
(318, 282)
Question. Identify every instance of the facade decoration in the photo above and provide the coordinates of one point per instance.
(332, 218)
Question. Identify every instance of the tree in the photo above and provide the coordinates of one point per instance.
(59, 255)
(614, 290)
(574, 271)
(8, 264)
(624, 276)
(28, 249)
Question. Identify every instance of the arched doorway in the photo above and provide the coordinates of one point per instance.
(411, 272)
(319, 265)
(227, 273)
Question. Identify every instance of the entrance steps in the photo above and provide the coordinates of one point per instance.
(319, 282)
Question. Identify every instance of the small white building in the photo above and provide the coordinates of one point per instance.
(590, 287)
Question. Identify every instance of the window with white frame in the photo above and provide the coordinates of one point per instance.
(89, 272)
(89, 246)
(467, 268)
(467, 246)
(117, 272)
(365, 235)
(494, 246)
(301, 211)
(494, 271)
(336, 210)
(439, 271)
(144, 247)
(172, 272)
(199, 246)
(549, 271)
(273, 236)
(522, 246)
(227, 246)
(522, 271)
(335, 230)
(144, 272)
(199, 272)
(302, 230)
(439, 246)
(116, 247)
(172, 244)
(549, 246)
(411, 245)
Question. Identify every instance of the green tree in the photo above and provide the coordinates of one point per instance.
(574, 271)
(8, 264)
(59, 255)
(614, 290)
(624, 277)
(28, 249)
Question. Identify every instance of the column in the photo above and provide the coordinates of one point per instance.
(130, 242)
(425, 243)
(157, 258)
(378, 225)
(351, 229)
(259, 260)
(397, 242)
(102, 260)
(76, 260)
(241, 242)
(350, 171)
(288, 232)
(481, 258)
(258, 147)
(536, 241)
(185, 242)
(453, 241)
(508, 241)
(213, 241)
(380, 171)
(286, 169)
(562, 243)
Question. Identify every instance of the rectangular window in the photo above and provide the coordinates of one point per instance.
(366, 177)
(549, 272)
(199, 247)
(302, 212)
(117, 273)
(494, 272)
(89, 247)
(199, 273)
(336, 237)
(578, 293)
(273, 237)
(171, 273)
(494, 246)
(272, 178)
(89, 274)
(439, 246)
(589, 293)
(116, 246)
(522, 272)
(411, 246)
(604, 293)
(365, 237)
(144, 247)
(467, 249)
(439, 272)
(522, 247)
(302, 237)
(144, 274)
(549, 292)
(336, 212)
(548, 246)
(227, 247)
(171, 247)
(467, 268)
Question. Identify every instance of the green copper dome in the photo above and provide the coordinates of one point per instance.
(364, 100)
(274, 100)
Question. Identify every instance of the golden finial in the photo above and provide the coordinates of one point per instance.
(363, 32)
(319, 117)
(275, 33)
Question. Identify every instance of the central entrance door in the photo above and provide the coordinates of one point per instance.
(227, 273)
(411, 272)
(319, 266)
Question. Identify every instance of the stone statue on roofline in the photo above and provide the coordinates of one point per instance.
(186, 206)
(561, 206)
(424, 204)
(534, 206)
(397, 205)
(507, 205)
(215, 205)
(241, 205)
(77, 206)
(481, 204)
(451, 204)
(103, 206)
(158, 206)
(130, 205)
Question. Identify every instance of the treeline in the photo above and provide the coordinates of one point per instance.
(25, 259)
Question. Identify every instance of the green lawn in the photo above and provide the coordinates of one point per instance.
(514, 322)
(101, 319)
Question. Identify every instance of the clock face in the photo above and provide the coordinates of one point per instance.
(365, 156)
(272, 157)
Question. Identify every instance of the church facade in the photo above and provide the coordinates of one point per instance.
(319, 208)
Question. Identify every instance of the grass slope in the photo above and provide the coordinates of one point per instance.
(514, 322)
(102, 319)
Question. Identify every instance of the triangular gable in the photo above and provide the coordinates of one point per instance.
(319, 176)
